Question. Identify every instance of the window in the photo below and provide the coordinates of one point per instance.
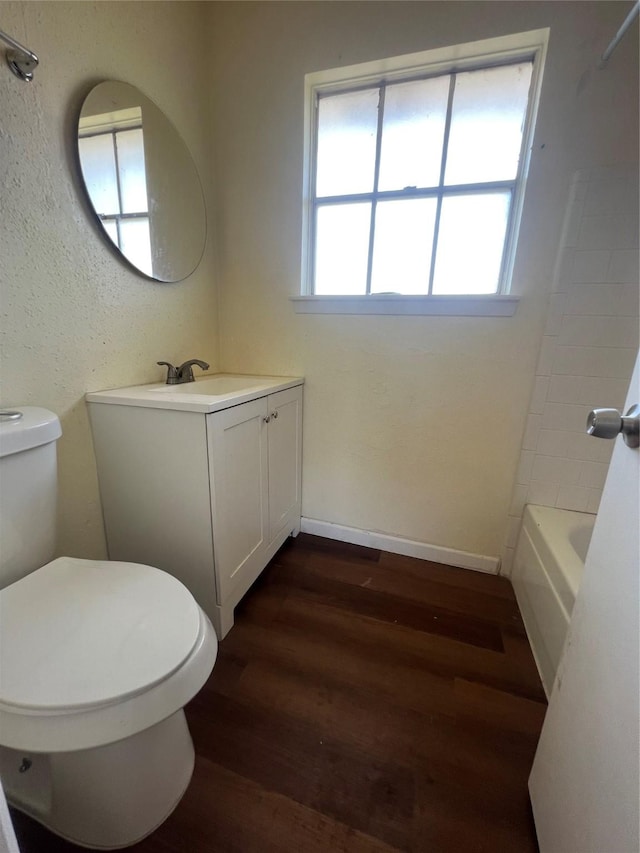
(111, 148)
(416, 170)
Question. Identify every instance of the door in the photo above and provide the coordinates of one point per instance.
(238, 461)
(584, 783)
(285, 459)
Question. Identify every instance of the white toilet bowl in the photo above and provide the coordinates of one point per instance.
(97, 660)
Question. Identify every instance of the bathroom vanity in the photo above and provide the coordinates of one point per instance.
(202, 479)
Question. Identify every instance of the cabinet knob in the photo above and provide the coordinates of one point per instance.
(267, 419)
(274, 415)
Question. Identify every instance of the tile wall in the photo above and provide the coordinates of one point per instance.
(588, 350)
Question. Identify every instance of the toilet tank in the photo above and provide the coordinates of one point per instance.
(28, 491)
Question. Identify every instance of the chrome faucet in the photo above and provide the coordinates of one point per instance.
(183, 373)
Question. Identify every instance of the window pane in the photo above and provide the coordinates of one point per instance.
(98, 163)
(347, 128)
(135, 243)
(133, 182)
(342, 249)
(470, 243)
(412, 134)
(402, 247)
(489, 108)
(111, 228)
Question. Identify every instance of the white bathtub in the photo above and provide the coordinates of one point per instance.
(547, 571)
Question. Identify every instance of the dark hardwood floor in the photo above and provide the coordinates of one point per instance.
(363, 702)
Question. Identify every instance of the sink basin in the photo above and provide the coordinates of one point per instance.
(214, 386)
(207, 394)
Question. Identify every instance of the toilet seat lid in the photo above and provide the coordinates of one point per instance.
(81, 633)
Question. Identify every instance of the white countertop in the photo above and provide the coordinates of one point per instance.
(209, 393)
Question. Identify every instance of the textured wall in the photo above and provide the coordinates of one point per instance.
(74, 316)
(413, 425)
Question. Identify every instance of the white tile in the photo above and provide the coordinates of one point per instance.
(598, 199)
(518, 500)
(562, 269)
(615, 299)
(554, 469)
(588, 299)
(532, 428)
(593, 474)
(582, 176)
(597, 331)
(573, 497)
(611, 195)
(603, 393)
(595, 496)
(557, 307)
(597, 232)
(525, 464)
(603, 299)
(594, 361)
(624, 194)
(506, 562)
(590, 266)
(543, 494)
(624, 266)
(515, 523)
(589, 449)
(628, 300)
(574, 361)
(539, 395)
(546, 357)
(564, 416)
(564, 389)
(591, 391)
(553, 442)
(626, 172)
(573, 218)
(626, 231)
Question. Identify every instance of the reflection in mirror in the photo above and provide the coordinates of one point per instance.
(142, 182)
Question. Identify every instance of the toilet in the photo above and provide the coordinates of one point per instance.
(97, 661)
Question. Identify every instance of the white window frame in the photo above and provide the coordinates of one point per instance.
(530, 45)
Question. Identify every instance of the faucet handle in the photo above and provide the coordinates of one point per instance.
(172, 373)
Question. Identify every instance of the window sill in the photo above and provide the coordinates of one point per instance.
(453, 306)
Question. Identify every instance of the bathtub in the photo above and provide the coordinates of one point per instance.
(547, 571)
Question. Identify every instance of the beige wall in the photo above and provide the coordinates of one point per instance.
(413, 425)
(74, 316)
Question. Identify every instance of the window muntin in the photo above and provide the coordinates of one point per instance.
(455, 140)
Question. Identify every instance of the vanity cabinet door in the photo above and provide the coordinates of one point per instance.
(285, 459)
(238, 460)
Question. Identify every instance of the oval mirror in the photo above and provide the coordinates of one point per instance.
(142, 182)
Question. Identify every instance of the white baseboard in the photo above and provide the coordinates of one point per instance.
(397, 545)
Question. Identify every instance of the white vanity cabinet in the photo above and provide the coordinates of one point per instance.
(208, 496)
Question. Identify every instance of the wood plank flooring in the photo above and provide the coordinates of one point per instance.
(363, 702)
